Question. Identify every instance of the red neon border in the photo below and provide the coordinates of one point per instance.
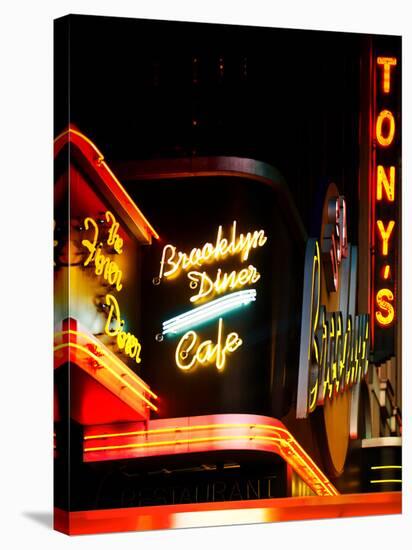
(74, 344)
(96, 160)
(198, 434)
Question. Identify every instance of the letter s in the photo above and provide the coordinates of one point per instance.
(386, 313)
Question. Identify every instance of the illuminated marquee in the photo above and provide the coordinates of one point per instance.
(107, 268)
(191, 351)
(385, 198)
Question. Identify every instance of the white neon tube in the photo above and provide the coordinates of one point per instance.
(241, 295)
(209, 311)
(231, 299)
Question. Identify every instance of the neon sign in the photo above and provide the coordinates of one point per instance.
(190, 351)
(107, 268)
(173, 262)
(385, 175)
(334, 345)
(125, 340)
(237, 245)
(222, 282)
(103, 264)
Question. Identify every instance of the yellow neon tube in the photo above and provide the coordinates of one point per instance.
(272, 440)
(289, 442)
(183, 442)
(182, 429)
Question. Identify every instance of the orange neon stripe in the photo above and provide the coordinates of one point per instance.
(101, 162)
(84, 138)
(187, 428)
(112, 357)
(181, 429)
(181, 441)
(308, 463)
(98, 359)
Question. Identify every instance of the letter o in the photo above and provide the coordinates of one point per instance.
(385, 140)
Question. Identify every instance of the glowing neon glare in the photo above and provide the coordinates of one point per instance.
(386, 313)
(386, 183)
(386, 63)
(209, 311)
(385, 116)
(173, 261)
(206, 352)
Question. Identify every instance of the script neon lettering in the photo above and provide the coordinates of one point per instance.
(222, 283)
(103, 265)
(190, 352)
(114, 238)
(125, 340)
(173, 261)
(337, 357)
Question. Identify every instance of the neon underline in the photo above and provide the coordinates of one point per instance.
(210, 310)
(386, 481)
(98, 359)
(233, 295)
(385, 467)
(110, 356)
(290, 442)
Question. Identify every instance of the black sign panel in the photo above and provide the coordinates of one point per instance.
(242, 358)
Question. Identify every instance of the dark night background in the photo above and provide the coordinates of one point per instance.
(151, 89)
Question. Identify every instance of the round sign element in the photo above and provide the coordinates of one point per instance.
(336, 411)
(336, 415)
